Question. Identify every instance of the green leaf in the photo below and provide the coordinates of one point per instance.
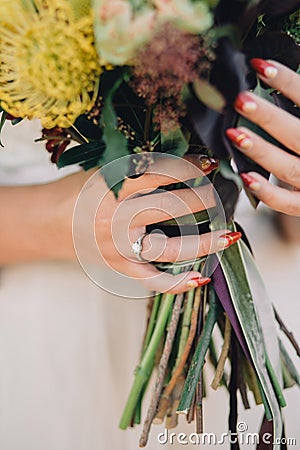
(288, 364)
(228, 173)
(116, 144)
(263, 306)
(17, 120)
(89, 164)
(114, 173)
(246, 293)
(209, 95)
(174, 143)
(81, 154)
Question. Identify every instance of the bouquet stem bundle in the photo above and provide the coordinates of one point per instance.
(178, 341)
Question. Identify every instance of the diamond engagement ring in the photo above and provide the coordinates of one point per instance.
(137, 247)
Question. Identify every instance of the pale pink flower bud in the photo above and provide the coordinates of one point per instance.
(193, 17)
(120, 31)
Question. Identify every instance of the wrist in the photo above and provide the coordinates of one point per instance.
(62, 197)
(48, 224)
(58, 211)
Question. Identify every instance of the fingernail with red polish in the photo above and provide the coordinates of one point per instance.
(245, 103)
(214, 164)
(198, 281)
(225, 240)
(208, 163)
(250, 182)
(264, 68)
(238, 138)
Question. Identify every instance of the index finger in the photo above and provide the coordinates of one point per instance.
(168, 170)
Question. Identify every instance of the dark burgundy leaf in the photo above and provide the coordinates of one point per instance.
(245, 164)
(229, 70)
(245, 238)
(223, 294)
(180, 230)
(208, 125)
(228, 193)
(229, 11)
(275, 45)
(242, 163)
(282, 102)
(276, 7)
(267, 428)
(237, 13)
(286, 104)
(228, 75)
(243, 16)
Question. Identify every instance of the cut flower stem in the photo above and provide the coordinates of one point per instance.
(143, 371)
(162, 367)
(199, 356)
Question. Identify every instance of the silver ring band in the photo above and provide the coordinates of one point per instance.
(137, 248)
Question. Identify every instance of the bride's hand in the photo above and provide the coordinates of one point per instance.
(104, 228)
(38, 222)
(284, 127)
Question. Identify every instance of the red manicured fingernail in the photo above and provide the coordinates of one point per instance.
(250, 182)
(245, 103)
(208, 163)
(240, 139)
(214, 164)
(264, 68)
(198, 281)
(225, 240)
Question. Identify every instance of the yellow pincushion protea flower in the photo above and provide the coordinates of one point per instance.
(49, 67)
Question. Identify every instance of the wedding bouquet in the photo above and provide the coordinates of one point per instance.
(140, 77)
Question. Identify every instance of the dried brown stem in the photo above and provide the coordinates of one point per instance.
(223, 356)
(199, 405)
(243, 390)
(191, 414)
(252, 382)
(165, 400)
(288, 333)
(162, 369)
(172, 416)
(241, 380)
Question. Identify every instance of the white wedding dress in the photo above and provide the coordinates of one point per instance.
(67, 348)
